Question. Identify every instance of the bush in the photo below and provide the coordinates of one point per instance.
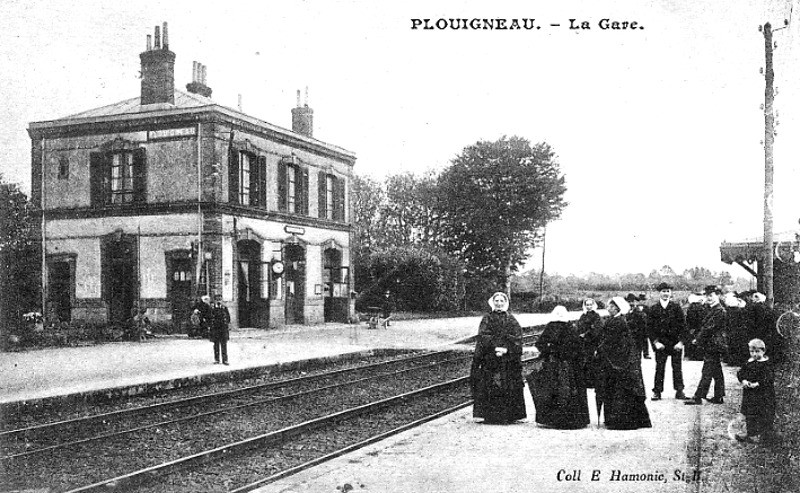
(418, 279)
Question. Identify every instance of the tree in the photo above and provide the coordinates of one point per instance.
(367, 198)
(20, 267)
(409, 216)
(494, 199)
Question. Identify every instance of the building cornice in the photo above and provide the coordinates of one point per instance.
(176, 117)
(189, 208)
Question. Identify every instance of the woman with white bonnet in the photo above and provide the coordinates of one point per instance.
(558, 388)
(619, 388)
(496, 375)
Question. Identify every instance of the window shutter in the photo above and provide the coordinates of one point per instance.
(322, 194)
(96, 179)
(254, 181)
(339, 185)
(282, 198)
(304, 191)
(140, 175)
(262, 182)
(233, 175)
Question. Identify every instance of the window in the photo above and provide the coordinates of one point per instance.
(331, 197)
(292, 187)
(121, 177)
(118, 177)
(247, 178)
(63, 167)
(244, 178)
(291, 175)
(329, 181)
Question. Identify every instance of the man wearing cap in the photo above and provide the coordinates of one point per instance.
(711, 341)
(666, 325)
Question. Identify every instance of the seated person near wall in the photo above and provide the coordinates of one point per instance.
(387, 307)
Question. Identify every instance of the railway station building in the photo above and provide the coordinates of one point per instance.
(154, 201)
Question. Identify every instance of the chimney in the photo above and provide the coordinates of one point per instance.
(303, 117)
(198, 84)
(158, 71)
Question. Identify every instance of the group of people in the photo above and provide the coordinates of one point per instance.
(606, 354)
(212, 321)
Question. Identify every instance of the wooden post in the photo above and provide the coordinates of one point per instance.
(769, 139)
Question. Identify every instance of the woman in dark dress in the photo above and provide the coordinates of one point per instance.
(620, 387)
(496, 376)
(590, 329)
(558, 388)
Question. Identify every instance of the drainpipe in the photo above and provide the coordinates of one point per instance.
(200, 254)
(44, 237)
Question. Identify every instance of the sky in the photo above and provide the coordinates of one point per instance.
(658, 129)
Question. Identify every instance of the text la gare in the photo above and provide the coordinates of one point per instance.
(605, 24)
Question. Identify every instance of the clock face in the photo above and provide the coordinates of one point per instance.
(277, 267)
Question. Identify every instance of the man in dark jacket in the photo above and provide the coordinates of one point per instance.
(220, 332)
(711, 341)
(666, 325)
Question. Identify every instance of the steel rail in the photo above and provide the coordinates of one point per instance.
(217, 395)
(108, 436)
(350, 448)
(130, 480)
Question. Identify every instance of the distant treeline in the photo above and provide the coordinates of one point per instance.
(692, 280)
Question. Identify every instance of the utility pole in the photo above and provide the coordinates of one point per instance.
(541, 273)
(769, 140)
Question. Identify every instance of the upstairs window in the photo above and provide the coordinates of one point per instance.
(291, 183)
(118, 177)
(121, 178)
(292, 187)
(331, 197)
(63, 168)
(247, 178)
(244, 178)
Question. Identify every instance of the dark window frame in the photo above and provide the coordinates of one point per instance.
(108, 189)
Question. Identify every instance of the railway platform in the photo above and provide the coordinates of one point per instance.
(450, 454)
(457, 454)
(128, 367)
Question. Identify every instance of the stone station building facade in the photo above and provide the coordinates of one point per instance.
(156, 200)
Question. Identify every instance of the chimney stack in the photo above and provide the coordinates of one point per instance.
(158, 71)
(198, 84)
(303, 117)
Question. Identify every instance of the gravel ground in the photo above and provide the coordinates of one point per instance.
(95, 461)
(457, 454)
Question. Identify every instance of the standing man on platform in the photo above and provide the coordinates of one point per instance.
(220, 331)
(711, 341)
(667, 330)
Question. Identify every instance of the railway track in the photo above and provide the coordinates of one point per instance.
(242, 438)
(46, 437)
(88, 454)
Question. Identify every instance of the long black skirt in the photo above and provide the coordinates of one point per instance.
(623, 407)
(559, 395)
(498, 393)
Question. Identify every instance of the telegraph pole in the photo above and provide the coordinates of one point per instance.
(769, 140)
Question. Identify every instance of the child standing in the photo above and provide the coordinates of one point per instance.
(758, 397)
